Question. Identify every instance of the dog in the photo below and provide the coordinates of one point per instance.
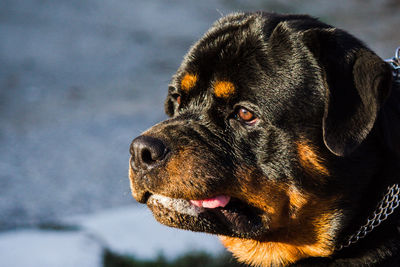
(283, 140)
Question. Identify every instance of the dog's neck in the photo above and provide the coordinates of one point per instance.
(390, 113)
(373, 229)
(370, 231)
(389, 120)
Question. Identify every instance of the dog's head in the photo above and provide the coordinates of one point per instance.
(263, 110)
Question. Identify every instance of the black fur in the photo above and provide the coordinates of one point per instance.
(303, 80)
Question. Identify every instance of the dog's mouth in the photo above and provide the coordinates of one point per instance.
(222, 215)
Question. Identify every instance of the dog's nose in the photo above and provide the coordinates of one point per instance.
(146, 151)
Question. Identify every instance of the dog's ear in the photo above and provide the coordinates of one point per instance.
(357, 83)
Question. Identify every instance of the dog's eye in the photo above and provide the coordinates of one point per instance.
(246, 116)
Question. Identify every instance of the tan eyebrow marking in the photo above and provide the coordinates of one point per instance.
(188, 82)
(224, 89)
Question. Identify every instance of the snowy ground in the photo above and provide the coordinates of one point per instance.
(125, 230)
(80, 79)
(36, 248)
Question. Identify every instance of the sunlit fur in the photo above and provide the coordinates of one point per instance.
(224, 89)
(188, 82)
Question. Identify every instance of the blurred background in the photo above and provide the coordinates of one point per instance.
(78, 81)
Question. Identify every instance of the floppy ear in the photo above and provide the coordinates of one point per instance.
(357, 84)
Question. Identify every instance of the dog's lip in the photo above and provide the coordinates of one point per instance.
(177, 204)
(236, 215)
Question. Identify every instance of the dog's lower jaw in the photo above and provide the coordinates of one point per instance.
(265, 253)
(281, 247)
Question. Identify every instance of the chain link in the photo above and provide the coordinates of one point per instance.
(395, 63)
(385, 207)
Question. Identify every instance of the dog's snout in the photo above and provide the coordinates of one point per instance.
(147, 151)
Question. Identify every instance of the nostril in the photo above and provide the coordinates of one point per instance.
(147, 151)
(147, 157)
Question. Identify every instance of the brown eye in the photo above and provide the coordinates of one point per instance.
(246, 116)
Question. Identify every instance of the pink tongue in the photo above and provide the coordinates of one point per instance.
(211, 203)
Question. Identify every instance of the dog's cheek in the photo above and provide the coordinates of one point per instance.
(299, 224)
(258, 191)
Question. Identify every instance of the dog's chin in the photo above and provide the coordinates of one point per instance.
(236, 219)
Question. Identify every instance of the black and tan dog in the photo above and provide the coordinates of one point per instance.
(283, 138)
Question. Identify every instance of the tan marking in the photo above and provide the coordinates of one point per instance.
(297, 201)
(179, 173)
(301, 225)
(188, 82)
(224, 89)
(275, 253)
(308, 234)
(261, 193)
(309, 159)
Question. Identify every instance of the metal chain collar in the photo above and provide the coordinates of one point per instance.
(395, 63)
(385, 207)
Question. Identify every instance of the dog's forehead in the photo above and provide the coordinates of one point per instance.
(257, 58)
(232, 51)
(223, 58)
